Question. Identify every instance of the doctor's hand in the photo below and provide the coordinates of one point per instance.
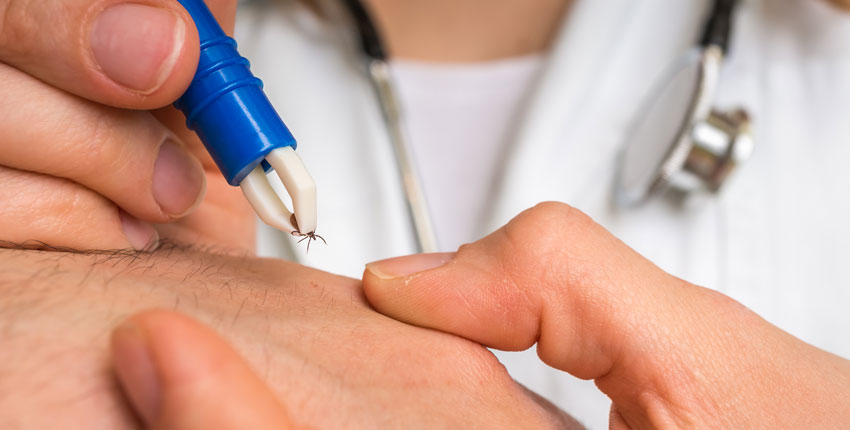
(669, 354)
(91, 153)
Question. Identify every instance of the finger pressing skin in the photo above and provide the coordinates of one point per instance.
(179, 374)
(547, 274)
(139, 54)
(669, 354)
(42, 210)
(127, 156)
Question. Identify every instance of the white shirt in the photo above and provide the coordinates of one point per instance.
(777, 239)
(460, 119)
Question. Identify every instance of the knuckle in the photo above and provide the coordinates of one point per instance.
(485, 367)
(547, 244)
(64, 199)
(94, 138)
(71, 210)
(547, 227)
(100, 144)
(557, 216)
(17, 25)
(478, 365)
(39, 206)
(77, 199)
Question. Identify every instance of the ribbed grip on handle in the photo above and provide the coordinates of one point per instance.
(225, 104)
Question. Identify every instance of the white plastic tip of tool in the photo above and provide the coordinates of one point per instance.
(298, 183)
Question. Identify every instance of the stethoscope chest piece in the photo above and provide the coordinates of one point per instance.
(679, 142)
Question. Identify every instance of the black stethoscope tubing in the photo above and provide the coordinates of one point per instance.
(718, 27)
(371, 42)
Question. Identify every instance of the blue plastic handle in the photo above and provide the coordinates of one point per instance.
(225, 104)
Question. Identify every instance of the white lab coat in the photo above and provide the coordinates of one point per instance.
(777, 239)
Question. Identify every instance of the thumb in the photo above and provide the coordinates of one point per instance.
(668, 353)
(551, 275)
(128, 54)
(179, 374)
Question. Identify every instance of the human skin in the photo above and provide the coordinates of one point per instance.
(841, 4)
(332, 360)
(90, 149)
(34, 192)
(467, 31)
(179, 374)
(668, 353)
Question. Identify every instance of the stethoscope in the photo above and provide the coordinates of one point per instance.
(677, 143)
(680, 143)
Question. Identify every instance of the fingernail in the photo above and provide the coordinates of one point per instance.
(178, 180)
(405, 266)
(141, 235)
(136, 370)
(136, 45)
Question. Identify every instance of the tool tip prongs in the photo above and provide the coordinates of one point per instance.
(300, 186)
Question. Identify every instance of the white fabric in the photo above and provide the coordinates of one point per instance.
(777, 239)
(460, 119)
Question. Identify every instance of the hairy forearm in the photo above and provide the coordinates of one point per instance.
(56, 313)
(309, 334)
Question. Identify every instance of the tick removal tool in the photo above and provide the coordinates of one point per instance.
(226, 106)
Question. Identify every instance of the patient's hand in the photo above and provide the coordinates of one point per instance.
(333, 361)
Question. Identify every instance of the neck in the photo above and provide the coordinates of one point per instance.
(467, 30)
